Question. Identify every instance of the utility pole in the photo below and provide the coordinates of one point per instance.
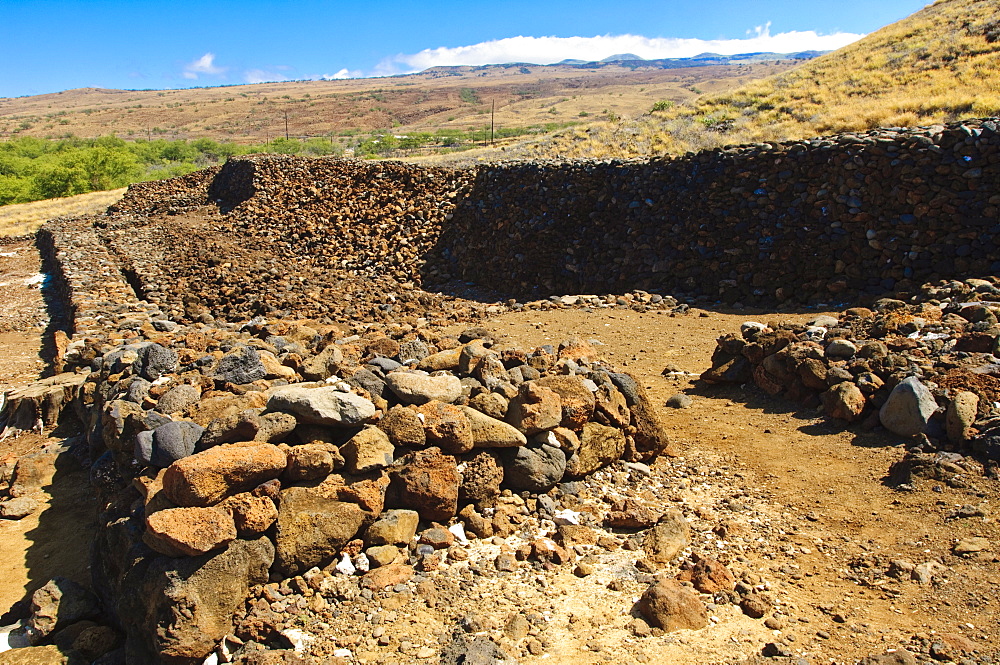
(286, 125)
(493, 111)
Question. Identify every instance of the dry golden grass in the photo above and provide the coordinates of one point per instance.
(25, 218)
(938, 65)
(417, 103)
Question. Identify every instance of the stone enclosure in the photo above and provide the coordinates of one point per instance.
(258, 361)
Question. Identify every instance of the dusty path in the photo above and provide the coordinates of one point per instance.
(840, 519)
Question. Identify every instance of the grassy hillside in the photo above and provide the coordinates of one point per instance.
(940, 64)
(442, 99)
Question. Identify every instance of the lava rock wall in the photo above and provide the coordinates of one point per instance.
(816, 220)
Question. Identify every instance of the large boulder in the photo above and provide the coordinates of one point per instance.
(312, 529)
(206, 478)
(325, 405)
(909, 408)
(177, 610)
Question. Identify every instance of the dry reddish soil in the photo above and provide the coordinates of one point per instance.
(810, 522)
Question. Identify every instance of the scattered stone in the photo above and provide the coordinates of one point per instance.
(680, 401)
(18, 508)
(671, 607)
(667, 539)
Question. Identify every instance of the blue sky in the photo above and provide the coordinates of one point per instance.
(49, 45)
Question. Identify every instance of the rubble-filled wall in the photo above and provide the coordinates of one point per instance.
(822, 219)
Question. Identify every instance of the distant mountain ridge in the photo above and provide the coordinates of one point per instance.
(632, 61)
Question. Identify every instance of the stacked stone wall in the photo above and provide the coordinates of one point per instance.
(818, 220)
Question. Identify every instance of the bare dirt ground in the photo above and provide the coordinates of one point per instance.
(809, 521)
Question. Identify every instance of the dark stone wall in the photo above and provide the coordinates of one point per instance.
(820, 220)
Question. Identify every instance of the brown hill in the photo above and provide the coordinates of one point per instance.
(940, 64)
(454, 97)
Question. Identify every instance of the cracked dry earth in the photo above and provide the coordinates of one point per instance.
(795, 506)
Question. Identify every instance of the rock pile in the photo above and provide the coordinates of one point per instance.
(816, 220)
(280, 448)
(926, 368)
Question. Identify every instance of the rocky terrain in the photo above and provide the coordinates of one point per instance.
(300, 454)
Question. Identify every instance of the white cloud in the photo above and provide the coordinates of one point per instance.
(548, 50)
(265, 75)
(342, 74)
(203, 65)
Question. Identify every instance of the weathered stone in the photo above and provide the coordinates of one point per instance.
(252, 514)
(488, 432)
(312, 529)
(482, 474)
(324, 364)
(418, 388)
(600, 445)
(207, 477)
(427, 481)
(844, 401)
(909, 408)
(404, 427)
(667, 539)
(18, 508)
(178, 398)
(167, 443)
(393, 527)
(576, 399)
(671, 607)
(153, 361)
(610, 403)
(534, 409)
(323, 406)
(367, 490)
(446, 426)
(534, 468)
(177, 610)
(961, 416)
(57, 604)
(493, 405)
(368, 450)
(309, 461)
(711, 576)
(240, 367)
(387, 576)
(189, 531)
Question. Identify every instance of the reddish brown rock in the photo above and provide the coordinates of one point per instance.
(611, 404)
(309, 461)
(387, 576)
(446, 426)
(205, 478)
(189, 531)
(709, 576)
(577, 400)
(671, 607)
(403, 427)
(844, 400)
(534, 409)
(481, 479)
(251, 514)
(367, 490)
(426, 481)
